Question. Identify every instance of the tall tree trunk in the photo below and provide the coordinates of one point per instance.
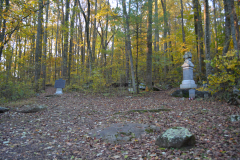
(71, 43)
(236, 22)
(227, 28)
(62, 42)
(87, 22)
(9, 63)
(112, 48)
(1, 12)
(56, 45)
(156, 42)
(149, 48)
(207, 37)
(105, 43)
(137, 37)
(19, 58)
(38, 51)
(65, 53)
(232, 26)
(199, 35)
(215, 26)
(127, 59)
(165, 34)
(94, 33)
(127, 31)
(3, 28)
(183, 32)
(45, 48)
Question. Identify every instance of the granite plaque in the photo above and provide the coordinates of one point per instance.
(59, 83)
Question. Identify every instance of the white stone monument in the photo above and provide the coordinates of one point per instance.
(188, 81)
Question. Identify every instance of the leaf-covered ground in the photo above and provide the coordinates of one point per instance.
(60, 132)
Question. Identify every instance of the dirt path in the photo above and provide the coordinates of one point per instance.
(60, 132)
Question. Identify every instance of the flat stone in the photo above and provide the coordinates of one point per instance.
(122, 133)
(32, 108)
(3, 109)
(176, 137)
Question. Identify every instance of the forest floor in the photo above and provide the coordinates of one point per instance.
(60, 132)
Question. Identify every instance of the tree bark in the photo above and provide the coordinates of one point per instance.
(45, 48)
(56, 44)
(38, 51)
(94, 33)
(199, 35)
(236, 22)
(232, 26)
(207, 37)
(183, 32)
(3, 28)
(127, 31)
(149, 48)
(215, 26)
(165, 34)
(87, 21)
(227, 28)
(71, 43)
(156, 42)
(65, 51)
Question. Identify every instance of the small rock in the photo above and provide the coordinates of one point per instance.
(5, 142)
(99, 154)
(128, 96)
(182, 99)
(116, 156)
(235, 118)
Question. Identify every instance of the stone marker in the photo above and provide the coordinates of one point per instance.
(176, 137)
(185, 93)
(205, 95)
(188, 81)
(59, 84)
(191, 93)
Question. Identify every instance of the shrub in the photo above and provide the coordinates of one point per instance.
(15, 91)
(227, 73)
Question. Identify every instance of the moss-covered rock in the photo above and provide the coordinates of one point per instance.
(176, 137)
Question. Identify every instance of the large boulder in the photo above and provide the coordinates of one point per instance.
(3, 109)
(176, 137)
(122, 133)
(185, 93)
(32, 108)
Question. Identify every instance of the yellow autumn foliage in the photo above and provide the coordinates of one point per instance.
(227, 72)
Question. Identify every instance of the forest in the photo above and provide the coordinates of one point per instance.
(106, 42)
(104, 48)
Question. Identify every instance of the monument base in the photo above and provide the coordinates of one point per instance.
(188, 84)
(59, 91)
